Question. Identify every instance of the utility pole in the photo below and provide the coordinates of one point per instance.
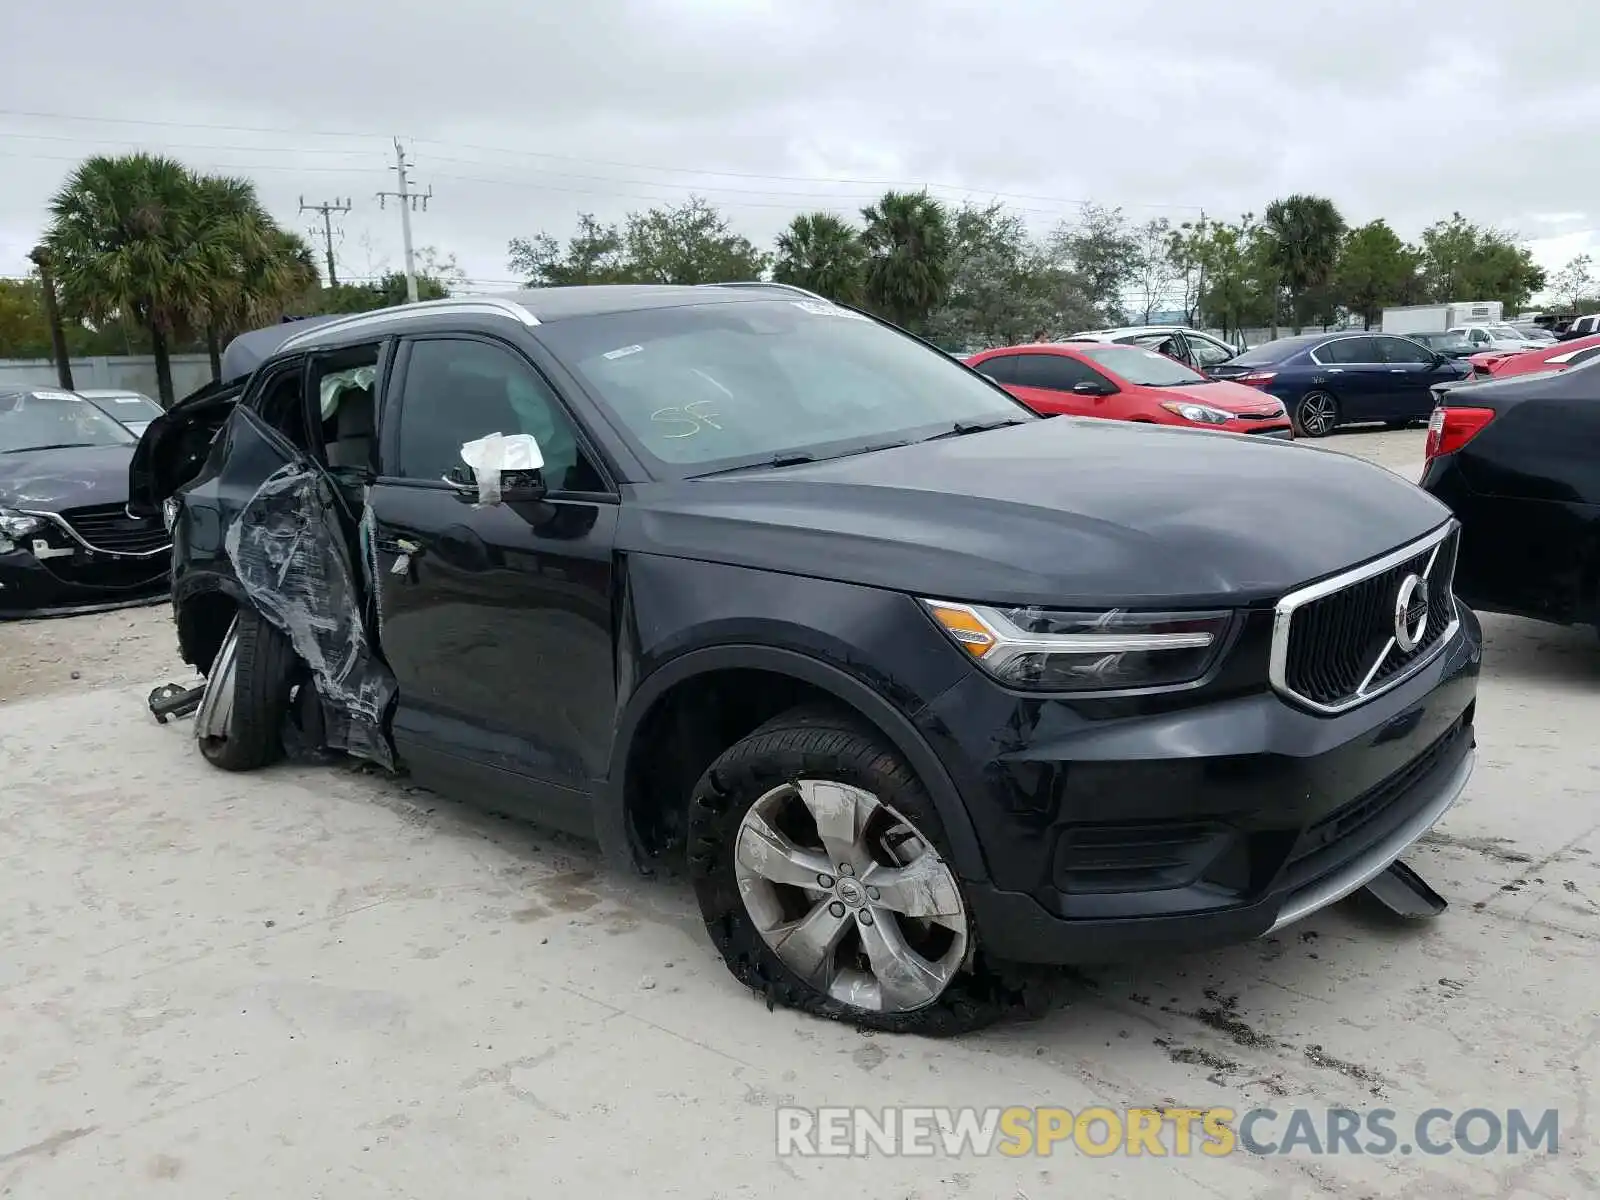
(327, 209)
(409, 202)
(52, 316)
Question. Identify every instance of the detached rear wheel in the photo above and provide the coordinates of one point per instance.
(239, 724)
(1316, 415)
(816, 858)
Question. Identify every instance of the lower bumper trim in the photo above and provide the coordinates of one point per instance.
(1359, 871)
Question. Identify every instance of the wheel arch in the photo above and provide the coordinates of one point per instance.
(624, 813)
(203, 605)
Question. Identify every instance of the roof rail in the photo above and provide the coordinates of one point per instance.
(493, 305)
(759, 283)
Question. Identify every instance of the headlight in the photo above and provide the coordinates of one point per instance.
(1200, 414)
(14, 524)
(169, 512)
(1048, 650)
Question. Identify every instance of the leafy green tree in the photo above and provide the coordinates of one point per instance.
(1233, 288)
(1462, 261)
(386, 292)
(822, 253)
(691, 243)
(907, 237)
(123, 237)
(1574, 283)
(1375, 269)
(1004, 287)
(1104, 253)
(1301, 238)
(595, 254)
(256, 270)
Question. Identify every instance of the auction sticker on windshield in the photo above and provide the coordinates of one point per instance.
(822, 308)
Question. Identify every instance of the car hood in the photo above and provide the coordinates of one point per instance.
(1229, 397)
(1059, 511)
(55, 480)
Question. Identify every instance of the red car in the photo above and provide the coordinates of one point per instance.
(1128, 383)
(1557, 356)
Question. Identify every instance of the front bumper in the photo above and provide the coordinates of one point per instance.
(31, 587)
(1110, 830)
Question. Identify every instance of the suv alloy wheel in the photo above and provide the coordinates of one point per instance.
(815, 856)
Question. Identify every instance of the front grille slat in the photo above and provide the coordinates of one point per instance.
(1332, 643)
(108, 527)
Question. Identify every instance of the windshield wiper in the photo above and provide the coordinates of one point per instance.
(961, 428)
(794, 459)
(53, 446)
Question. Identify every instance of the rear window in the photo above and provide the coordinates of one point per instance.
(1265, 354)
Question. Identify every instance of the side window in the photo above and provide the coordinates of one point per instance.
(1399, 351)
(1583, 356)
(1208, 353)
(459, 389)
(345, 384)
(1348, 351)
(1478, 337)
(1056, 372)
(280, 400)
(1002, 368)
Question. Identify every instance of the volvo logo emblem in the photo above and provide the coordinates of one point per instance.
(1410, 613)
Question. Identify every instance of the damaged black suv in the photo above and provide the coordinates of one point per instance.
(920, 685)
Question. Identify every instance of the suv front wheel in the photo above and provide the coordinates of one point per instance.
(816, 858)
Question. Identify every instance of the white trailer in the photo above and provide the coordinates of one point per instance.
(1436, 318)
(1416, 318)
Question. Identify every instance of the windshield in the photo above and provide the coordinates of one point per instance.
(1144, 368)
(1444, 343)
(37, 420)
(1505, 331)
(703, 387)
(127, 407)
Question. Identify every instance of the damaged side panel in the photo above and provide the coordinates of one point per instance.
(291, 552)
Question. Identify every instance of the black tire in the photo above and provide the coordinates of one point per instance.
(1316, 414)
(821, 743)
(264, 674)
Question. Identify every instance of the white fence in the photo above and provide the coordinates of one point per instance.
(135, 372)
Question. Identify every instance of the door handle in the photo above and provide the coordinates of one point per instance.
(467, 493)
(403, 549)
(1397, 370)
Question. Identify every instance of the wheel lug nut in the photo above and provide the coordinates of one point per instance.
(825, 881)
(836, 909)
(872, 893)
(864, 917)
(846, 869)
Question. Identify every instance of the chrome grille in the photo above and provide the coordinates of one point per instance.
(109, 528)
(1341, 642)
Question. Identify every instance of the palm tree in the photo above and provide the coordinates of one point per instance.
(907, 237)
(122, 239)
(257, 269)
(1303, 235)
(822, 253)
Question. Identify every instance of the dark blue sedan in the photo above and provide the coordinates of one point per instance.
(1330, 379)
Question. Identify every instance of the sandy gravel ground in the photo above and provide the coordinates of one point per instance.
(311, 982)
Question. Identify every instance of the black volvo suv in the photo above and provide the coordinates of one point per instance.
(919, 685)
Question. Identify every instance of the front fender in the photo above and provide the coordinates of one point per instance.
(873, 650)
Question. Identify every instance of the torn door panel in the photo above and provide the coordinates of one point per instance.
(291, 556)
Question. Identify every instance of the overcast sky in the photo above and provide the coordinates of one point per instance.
(521, 115)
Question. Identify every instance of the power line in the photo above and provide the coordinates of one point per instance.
(504, 150)
(327, 209)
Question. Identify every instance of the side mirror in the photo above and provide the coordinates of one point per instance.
(500, 468)
(1088, 388)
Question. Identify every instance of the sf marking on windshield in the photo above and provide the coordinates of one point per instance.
(690, 415)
